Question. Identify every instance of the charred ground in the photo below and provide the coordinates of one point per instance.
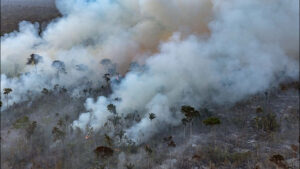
(261, 131)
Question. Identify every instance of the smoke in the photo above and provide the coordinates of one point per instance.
(188, 52)
(249, 49)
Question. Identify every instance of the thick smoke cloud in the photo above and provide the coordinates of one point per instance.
(188, 52)
(249, 49)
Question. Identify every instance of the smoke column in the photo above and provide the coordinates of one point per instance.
(187, 52)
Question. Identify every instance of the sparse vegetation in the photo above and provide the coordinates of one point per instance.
(58, 134)
(183, 100)
(104, 152)
(266, 122)
(21, 122)
(216, 150)
(212, 121)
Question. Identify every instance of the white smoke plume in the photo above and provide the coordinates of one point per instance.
(189, 52)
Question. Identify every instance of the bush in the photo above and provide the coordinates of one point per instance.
(266, 123)
(220, 155)
(211, 121)
(21, 122)
(30, 129)
(112, 108)
(259, 109)
(58, 134)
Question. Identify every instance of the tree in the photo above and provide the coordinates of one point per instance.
(30, 129)
(59, 66)
(120, 134)
(171, 144)
(6, 91)
(190, 114)
(61, 123)
(58, 134)
(85, 91)
(112, 108)
(34, 59)
(45, 91)
(115, 120)
(108, 140)
(169, 141)
(152, 116)
(148, 149)
(107, 78)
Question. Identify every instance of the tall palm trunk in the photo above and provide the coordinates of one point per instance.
(184, 131)
(191, 128)
(6, 100)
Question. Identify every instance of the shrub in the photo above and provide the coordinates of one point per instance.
(259, 109)
(58, 134)
(45, 91)
(279, 161)
(129, 166)
(21, 122)
(30, 129)
(103, 152)
(112, 108)
(152, 116)
(266, 123)
(211, 121)
(220, 155)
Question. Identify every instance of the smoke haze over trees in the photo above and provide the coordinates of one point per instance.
(134, 69)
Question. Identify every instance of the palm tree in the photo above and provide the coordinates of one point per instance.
(34, 59)
(212, 121)
(108, 140)
(6, 91)
(59, 66)
(149, 151)
(106, 77)
(190, 114)
(152, 116)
